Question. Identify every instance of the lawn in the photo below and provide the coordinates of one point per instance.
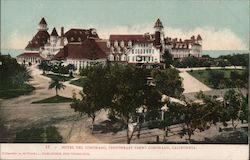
(78, 82)
(54, 99)
(203, 75)
(60, 77)
(15, 92)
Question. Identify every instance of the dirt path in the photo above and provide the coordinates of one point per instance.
(19, 113)
(191, 84)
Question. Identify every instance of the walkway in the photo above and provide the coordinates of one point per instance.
(191, 84)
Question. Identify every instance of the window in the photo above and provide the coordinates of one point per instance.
(112, 49)
(129, 44)
(116, 44)
(72, 38)
(108, 44)
(132, 51)
(152, 50)
(79, 39)
(133, 59)
(122, 43)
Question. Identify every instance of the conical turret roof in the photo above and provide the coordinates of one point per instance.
(42, 21)
(54, 32)
(158, 24)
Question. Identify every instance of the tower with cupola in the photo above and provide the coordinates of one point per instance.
(159, 33)
(43, 25)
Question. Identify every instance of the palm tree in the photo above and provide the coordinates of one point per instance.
(57, 84)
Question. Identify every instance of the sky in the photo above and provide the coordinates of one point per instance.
(222, 24)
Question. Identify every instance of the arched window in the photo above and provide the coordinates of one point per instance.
(111, 57)
(108, 44)
(116, 44)
(118, 49)
(122, 43)
(129, 44)
(117, 58)
(112, 49)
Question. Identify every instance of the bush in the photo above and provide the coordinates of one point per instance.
(39, 135)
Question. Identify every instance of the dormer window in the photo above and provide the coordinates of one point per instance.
(112, 49)
(129, 44)
(93, 31)
(116, 44)
(108, 44)
(122, 43)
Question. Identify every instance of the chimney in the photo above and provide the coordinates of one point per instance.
(62, 36)
(62, 31)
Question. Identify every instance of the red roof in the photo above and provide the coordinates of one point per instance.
(79, 35)
(38, 40)
(89, 49)
(60, 55)
(29, 54)
(102, 44)
(42, 21)
(133, 38)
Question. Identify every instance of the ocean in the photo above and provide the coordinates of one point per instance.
(12, 52)
(211, 53)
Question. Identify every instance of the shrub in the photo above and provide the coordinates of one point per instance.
(39, 135)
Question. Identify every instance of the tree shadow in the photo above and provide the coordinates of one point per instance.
(107, 126)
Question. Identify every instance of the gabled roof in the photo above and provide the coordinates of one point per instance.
(38, 40)
(42, 21)
(102, 44)
(29, 54)
(89, 49)
(79, 35)
(158, 24)
(60, 55)
(133, 38)
(54, 32)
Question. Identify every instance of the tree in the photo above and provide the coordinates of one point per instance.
(129, 84)
(97, 93)
(39, 135)
(44, 66)
(199, 116)
(22, 77)
(168, 82)
(57, 84)
(167, 58)
(216, 78)
(233, 105)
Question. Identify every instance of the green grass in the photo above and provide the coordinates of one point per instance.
(60, 77)
(54, 99)
(16, 92)
(202, 75)
(78, 82)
